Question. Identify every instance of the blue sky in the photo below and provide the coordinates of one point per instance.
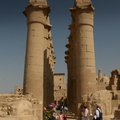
(13, 30)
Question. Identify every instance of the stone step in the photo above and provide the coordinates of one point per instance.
(70, 116)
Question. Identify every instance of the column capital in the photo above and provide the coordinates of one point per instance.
(81, 3)
(37, 2)
(46, 9)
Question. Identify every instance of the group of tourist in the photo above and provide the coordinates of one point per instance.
(97, 115)
(52, 114)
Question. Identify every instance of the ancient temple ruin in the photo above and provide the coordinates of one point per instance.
(42, 86)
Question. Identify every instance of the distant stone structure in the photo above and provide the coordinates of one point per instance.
(115, 80)
(18, 90)
(60, 88)
(102, 81)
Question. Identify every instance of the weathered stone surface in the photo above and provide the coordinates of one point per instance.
(17, 107)
(82, 3)
(19, 118)
(37, 2)
(80, 55)
(39, 59)
(21, 108)
(101, 98)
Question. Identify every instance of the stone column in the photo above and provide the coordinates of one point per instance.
(83, 19)
(36, 14)
(85, 47)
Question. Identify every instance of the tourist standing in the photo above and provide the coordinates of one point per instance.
(98, 113)
(85, 113)
(65, 109)
(49, 112)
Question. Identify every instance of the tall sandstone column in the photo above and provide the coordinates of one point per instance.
(82, 51)
(38, 33)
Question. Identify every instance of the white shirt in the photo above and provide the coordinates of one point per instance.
(97, 113)
(86, 112)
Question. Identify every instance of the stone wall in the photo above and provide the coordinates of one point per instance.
(18, 107)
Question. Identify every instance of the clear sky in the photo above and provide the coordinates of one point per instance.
(13, 30)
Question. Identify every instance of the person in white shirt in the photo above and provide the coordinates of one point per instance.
(85, 113)
(98, 113)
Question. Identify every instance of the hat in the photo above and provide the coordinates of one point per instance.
(51, 105)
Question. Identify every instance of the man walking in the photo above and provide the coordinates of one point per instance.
(98, 113)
